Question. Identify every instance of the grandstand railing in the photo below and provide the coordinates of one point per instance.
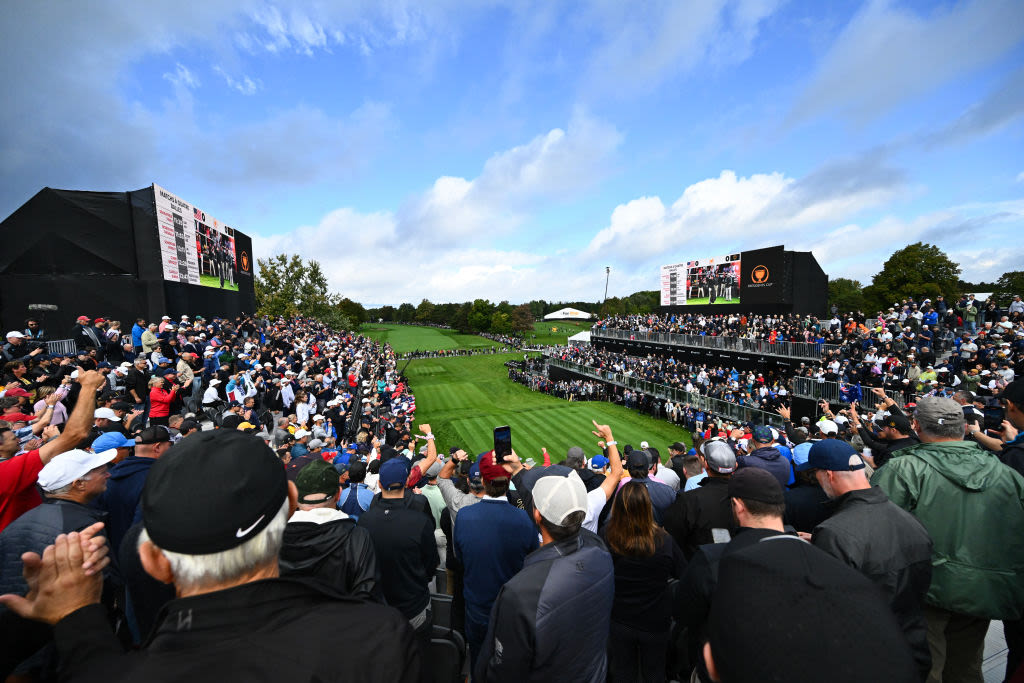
(61, 346)
(716, 406)
(810, 387)
(783, 349)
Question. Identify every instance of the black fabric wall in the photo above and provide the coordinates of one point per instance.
(810, 286)
(97, 254)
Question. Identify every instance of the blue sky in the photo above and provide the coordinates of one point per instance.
(512, 150)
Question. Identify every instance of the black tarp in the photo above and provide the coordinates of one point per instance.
(97, 254)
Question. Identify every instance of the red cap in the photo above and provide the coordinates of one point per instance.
(488, 470)
(17, 391)
(99, 320)
(83, 317)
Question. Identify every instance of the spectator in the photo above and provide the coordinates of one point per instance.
(403, 542)
(322, 542)
(18, 474)
(127, 480)
(704, 515)
(826, 608)
(877, 538)
(765, 455)
(219, 545)
(491, 539)
(638, 466)
(645, 559)
(355, 499)
(550, 621)
(969, 502)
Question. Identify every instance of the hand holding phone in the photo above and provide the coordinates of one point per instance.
(502, 443)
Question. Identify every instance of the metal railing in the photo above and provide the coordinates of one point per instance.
(784, 349)
(716, 406)
(61, 346)
(810, 387)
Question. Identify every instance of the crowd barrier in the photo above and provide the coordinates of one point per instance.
(810, 387)
(61, 347)
(718, 407)
(782, 349)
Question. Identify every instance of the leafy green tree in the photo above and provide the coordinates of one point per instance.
(480, 315)
(918, 270)
(425, 312)
(501, 323)
(353, 311)
(845, 294)
(1008, 284)
(286, 286)
(405, 313)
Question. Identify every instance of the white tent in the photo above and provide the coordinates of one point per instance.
(580, 338)
(568, 314)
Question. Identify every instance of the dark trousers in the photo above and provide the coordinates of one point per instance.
(423, 634)
(1013, 631)
(957, 644)
(476, 633)
(635, 655)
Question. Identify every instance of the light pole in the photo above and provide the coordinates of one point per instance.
(607, 274)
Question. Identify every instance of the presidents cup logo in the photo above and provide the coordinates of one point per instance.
(245, 261)
(759, 275)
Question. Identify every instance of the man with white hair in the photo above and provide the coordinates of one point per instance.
(973, 508)
(214, 514)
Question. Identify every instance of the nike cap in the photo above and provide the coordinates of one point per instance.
(212, 491)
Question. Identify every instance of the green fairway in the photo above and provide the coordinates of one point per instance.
(706, 300)
(464, 399)
(405, 338)
(551, 332)
(212, 281)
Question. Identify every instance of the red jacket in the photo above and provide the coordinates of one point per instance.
(160, 401)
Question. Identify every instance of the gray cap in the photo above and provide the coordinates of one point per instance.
(315, 443)
(558, 497)
(575, 457)
(434, 470)
(719, 457)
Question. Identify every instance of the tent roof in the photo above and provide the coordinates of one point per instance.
(568, 314)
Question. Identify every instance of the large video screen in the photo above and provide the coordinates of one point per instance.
(195, 248)
(702, 282)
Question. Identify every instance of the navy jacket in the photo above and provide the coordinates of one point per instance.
(550, 621)
(121, 499)
(770, 459)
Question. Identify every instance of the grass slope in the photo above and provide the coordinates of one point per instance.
(404, 338)
(464, 399)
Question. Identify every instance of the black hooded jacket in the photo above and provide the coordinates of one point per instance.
(326, 545)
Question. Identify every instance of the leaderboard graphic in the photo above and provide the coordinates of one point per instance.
(195, 248)
(706, 281)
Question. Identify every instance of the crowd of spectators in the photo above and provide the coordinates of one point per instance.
(250, 499)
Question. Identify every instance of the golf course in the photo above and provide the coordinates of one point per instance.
(465, 398)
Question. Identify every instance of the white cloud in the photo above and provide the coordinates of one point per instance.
(1020, 177)
(243, 84)
(182, 77)
(888, 55)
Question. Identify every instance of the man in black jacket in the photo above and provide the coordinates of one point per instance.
(214, 512)
(322, 542)
(895, 434)
(403, 541)
(704, 515)
(880, 539)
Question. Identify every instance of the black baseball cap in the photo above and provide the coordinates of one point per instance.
(898, 422)
(212, 492)
(754, 483)
(154, 434)
(1013, 392)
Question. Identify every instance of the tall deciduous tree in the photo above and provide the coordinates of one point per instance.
(918, 270)
(286, 286)
(1008, 284)
(845, 294)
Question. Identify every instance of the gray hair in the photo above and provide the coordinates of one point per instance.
(199, 571)
(940, 418)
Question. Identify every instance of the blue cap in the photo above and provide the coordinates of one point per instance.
(692, 451)
(108, 440)
(762, 434)
(834, 455)
(393, 472)
(800, 452)
(162, 359)
(598, 462)
(103, 365)
(474, 471)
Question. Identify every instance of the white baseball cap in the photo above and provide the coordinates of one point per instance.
(67, 467)
(106, 413)
(301, 433)
(15, 334)
(558, 497)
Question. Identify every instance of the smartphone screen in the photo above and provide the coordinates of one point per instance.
(502, 442)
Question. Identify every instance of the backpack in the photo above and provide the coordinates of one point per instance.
(351, 506)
